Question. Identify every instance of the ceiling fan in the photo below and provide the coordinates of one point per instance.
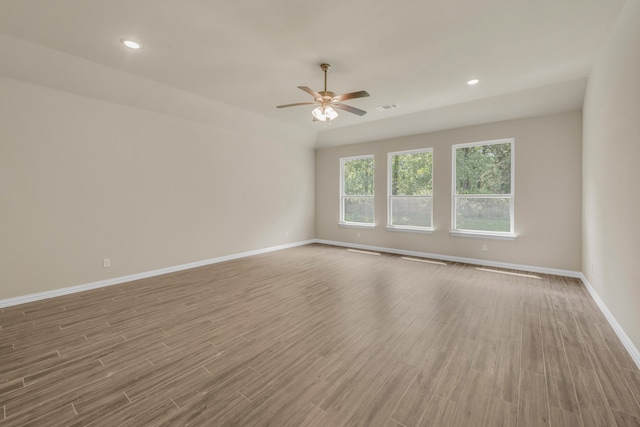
(327, 101)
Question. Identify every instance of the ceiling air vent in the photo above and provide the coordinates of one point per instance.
(387, 107)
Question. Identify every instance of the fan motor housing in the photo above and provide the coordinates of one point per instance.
(327, 95)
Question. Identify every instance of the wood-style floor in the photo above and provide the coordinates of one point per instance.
(318, 336)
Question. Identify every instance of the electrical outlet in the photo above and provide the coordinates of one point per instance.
(106, 263)
(358, 234)
(286, 234)
(485, 247)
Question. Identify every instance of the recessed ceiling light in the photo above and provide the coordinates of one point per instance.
(131, 44)
(473, 82)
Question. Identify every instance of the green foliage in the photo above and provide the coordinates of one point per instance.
(358, 209)
(484, 224)
(411, 174)
(483, 214)
(358, 177)
(484, 169)
(413, 211)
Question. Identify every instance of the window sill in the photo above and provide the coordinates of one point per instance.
(355, 225)
(484, 235)
(410, 229)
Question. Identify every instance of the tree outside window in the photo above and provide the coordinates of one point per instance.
(410, 203)
(483, 187)
(357, 176)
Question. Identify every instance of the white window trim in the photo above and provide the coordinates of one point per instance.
(511, 235)
(407, 228)
(410, 229)
(342, 222)
(356, 225)
(483, 234)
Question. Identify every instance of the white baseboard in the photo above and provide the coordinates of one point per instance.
(117, 280)
(622, 335)
(473, 261)
(624, 338)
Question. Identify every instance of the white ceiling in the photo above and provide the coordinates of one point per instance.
(532, 56)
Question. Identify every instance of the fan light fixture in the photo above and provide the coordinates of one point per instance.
(326, 102)
(324, 113)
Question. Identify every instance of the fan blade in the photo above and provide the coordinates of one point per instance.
(350, 109)
(352, 95)
(296, 104)
(310, 91)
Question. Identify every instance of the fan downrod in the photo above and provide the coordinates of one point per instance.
(326, 94)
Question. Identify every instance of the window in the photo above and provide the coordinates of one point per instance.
(356, 190)
(410, 202)
(483, 188)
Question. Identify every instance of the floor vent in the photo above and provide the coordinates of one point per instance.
(364, 252)
(424, 260)
(508, 273)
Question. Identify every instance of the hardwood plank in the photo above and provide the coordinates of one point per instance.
(594, 408)
(532, 354)
(379, 410)
(632, 377)
(501, 413)
(57, 417)
(65, 368)
(311, 416)
(185, 388)
(6, 349)
(279, 378)
(507, 371)
(18, 365)
(345, 399)
(439, 412)
(210, 409)
(142, 413)
(533, 406)
(316, 335)
(11, 385)
(550, 329)
(615, 388)
(415, 354)
(572, 340)
(486, 355)
(474, 401)
(421, 389)
(112, 390)
(560, 386)
(455, 374)
(284, 401)
(562, 418)
(214, 405)
(56, 391)
(588, 329)
(624, 420)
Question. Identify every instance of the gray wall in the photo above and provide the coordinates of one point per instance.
(611, 175)
(547, 193)
(82, 179)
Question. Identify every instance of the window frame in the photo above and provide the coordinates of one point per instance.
(342, 221)
(507, 235)
(410, 228)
